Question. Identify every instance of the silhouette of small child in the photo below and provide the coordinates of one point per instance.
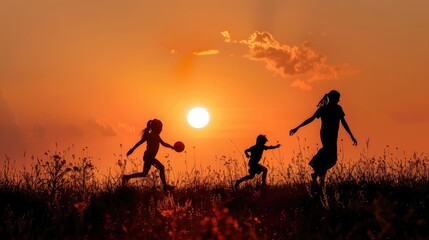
(254, 158)
(331, 115)
(150, 135)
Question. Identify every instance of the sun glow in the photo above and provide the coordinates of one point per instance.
(198, 117)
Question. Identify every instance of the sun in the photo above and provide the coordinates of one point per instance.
(198, 117)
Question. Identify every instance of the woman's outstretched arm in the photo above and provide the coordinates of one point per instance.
(309, 120)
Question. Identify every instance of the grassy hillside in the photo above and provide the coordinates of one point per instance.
(60, 197)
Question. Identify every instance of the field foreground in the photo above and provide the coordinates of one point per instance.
(347, 210)
(58, 199)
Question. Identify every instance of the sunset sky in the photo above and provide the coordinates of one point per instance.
(91, 73)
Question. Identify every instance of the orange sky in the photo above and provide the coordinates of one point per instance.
(91, 73)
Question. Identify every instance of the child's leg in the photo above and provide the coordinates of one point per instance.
(314, 177)
(264, 175)
(322, 179)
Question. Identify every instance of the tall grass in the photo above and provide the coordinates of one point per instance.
(373, 197)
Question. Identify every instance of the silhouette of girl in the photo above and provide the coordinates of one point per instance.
(151, 135)
(254, 158)
(331, 115)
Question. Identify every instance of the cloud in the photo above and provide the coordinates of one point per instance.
(127, 127)
(302, 64)
(102, 127)
(206, 52)
(226, 36)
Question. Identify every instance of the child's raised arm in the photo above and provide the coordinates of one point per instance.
(273, 147)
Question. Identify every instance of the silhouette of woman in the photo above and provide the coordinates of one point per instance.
(331, 115)
(254, 158)
(151, 135)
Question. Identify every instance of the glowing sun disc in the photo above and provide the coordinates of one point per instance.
(198, 117)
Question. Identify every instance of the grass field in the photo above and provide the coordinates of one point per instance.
(60, 197)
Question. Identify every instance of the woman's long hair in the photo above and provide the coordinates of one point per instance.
(331, 96)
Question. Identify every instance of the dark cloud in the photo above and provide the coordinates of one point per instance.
(38, 132)
(11, 136)
(410, 115)
(301, 63)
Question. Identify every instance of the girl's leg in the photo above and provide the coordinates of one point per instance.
(134, 175)
(146, 168)
(245, 178)
(158, 165)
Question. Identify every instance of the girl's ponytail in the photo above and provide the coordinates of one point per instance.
(323, 101)
(147, 129)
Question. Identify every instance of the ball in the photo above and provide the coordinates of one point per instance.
(179, 146)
